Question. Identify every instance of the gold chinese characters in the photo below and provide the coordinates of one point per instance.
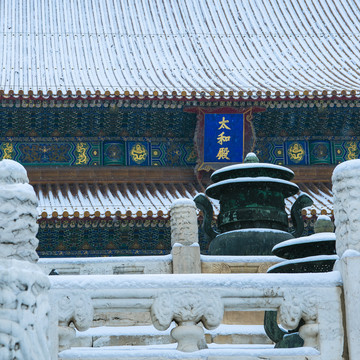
(223, 153)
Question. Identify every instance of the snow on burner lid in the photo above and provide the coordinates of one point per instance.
(252, 170)
(325, 236)
(308, 259)
(288, 188)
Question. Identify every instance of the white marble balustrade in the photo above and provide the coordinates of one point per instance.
(201, 299)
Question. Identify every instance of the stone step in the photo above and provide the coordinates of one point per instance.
(148, 335)
(166, 352)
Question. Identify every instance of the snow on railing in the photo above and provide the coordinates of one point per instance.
(197, 300)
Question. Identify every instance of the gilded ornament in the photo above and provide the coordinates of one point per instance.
(223, 125)
(223, 154)
(8, 149)
(138, 153)
(296, 152)
(222, 138)
(82, 158)
(352, 151)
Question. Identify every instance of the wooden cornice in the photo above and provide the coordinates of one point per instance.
(51, 175)
(315, 173)
(102, 174)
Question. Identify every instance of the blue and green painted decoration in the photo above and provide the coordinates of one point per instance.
(308, 152)
(93, 153)
(106, 136)
(169, 153)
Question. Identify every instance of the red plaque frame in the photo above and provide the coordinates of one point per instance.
(249, 132)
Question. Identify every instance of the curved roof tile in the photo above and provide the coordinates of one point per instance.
(175, 48)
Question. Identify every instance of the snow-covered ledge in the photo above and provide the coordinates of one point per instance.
(190, 300)
(117, 265)
(346, 189)
(24, 302)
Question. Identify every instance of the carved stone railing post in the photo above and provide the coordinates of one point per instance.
(73, 308)
(187, 307)
(346, 189)
(318, 313)
(24, 302)
(297, 307)
(184, 237)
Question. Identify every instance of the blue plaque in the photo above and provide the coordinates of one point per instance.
(223, 138)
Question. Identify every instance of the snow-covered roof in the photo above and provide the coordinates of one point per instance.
(144, 199)
(213, 48)
(104, 200)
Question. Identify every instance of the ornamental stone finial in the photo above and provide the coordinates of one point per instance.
(251, 158)
(323, 224)
(184, 237)
(184, 227)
